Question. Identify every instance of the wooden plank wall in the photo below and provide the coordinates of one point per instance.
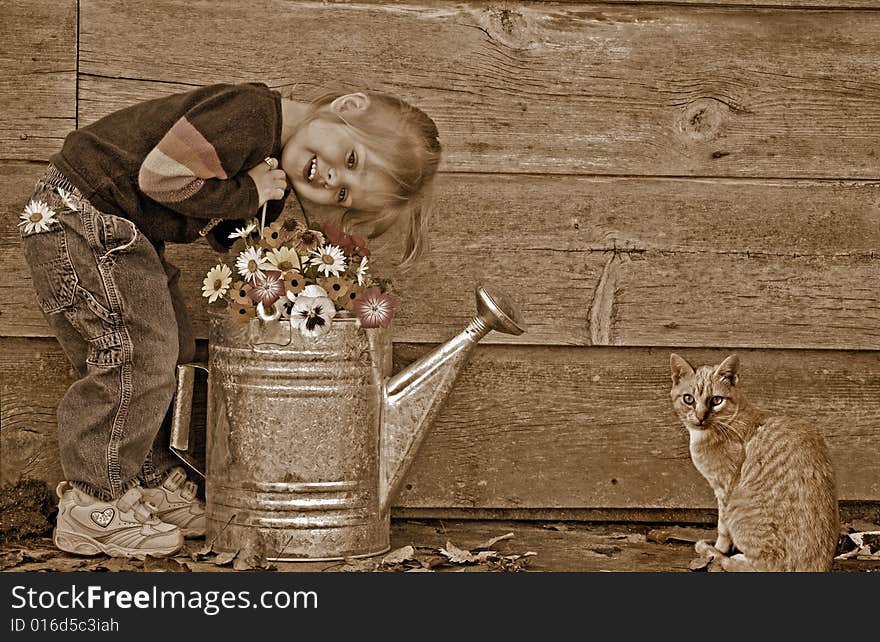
(643, 177)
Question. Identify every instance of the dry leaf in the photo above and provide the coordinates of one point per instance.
(489, 544)
(456, 555)
(9, 559)
(399, 555)
(202, 553)
(555, 527)
(223, 559)
(164, 564)
(117, 565)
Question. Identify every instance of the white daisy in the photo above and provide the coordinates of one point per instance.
(312, 315)
(330, 260)
(242, 232)
(36, 217)
(67, 198)
(217, 282)
(284, 259)
(362, 272)
(250, 264)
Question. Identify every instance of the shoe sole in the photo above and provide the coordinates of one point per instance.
(85, 545)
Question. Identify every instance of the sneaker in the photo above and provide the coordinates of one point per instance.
(176, 503)
(125, 527)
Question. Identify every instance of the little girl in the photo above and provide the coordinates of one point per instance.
(94, 232)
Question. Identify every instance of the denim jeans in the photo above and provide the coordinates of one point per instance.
(114, 304)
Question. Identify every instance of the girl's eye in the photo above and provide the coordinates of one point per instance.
(351, 159)
(717, 401)
(688, 399)
(343, 194)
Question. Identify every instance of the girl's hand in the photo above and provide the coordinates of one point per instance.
(270, 181)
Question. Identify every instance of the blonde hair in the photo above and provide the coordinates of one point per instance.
(409, 146)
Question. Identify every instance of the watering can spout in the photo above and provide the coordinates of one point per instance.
(412, 397)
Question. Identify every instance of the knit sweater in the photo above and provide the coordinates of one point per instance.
(171, 164)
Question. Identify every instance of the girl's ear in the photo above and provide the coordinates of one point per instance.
(350, 102)
(680, 368)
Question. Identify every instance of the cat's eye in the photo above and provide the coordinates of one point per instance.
(688, 399)
(717, 401)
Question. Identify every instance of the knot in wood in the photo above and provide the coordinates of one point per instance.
(701, 119)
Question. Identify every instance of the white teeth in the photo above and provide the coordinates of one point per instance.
(313, 168)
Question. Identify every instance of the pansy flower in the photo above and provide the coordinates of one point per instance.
(330, 260)
(312, 312)
(267, 288)
(36, 217)
(217, 282)
(250, 264)
(374, 308)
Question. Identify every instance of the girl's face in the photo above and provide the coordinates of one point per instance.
(328, 165)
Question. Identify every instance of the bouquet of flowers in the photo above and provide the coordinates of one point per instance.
(290, 271)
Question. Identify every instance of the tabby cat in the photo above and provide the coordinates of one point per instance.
(772, 475)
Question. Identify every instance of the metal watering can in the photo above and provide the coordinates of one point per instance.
(308, 440)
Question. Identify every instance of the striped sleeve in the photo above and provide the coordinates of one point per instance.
(177, 167)
(199, 166)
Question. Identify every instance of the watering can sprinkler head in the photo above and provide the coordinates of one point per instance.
(497, 311)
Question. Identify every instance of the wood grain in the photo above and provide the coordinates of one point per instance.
(603, 261)
(543, 427)
(536, 88)
(793, 4)
(37, 77)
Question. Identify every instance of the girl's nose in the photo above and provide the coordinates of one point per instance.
(332, 178)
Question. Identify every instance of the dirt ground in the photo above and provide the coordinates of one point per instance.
(27, 516)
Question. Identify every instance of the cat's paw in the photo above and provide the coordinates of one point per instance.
(706, 548)
(738, 563)
(724, 544)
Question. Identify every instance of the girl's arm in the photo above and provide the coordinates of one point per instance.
(201, 166)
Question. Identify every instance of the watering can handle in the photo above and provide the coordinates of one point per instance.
(182, 413)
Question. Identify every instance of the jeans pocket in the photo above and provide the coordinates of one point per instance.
(106, 351)
(115, 234)
(51, 269)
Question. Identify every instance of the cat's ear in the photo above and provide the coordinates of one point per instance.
(729, 369)
(680, 368)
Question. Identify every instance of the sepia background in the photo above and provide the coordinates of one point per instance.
(642, 177)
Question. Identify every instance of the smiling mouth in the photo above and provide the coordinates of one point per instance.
(311, 169)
